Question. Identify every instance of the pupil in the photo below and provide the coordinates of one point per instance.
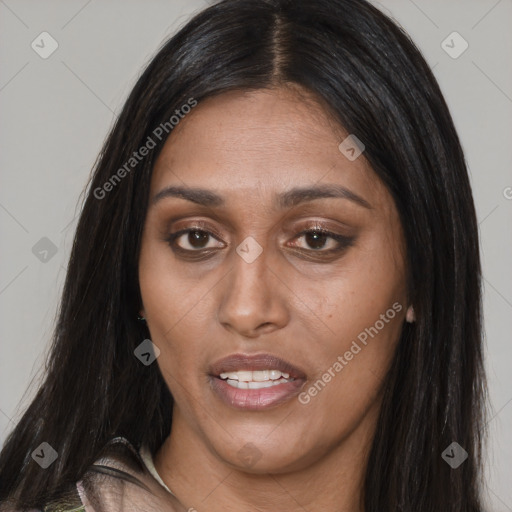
(196, 238)
(315, 240)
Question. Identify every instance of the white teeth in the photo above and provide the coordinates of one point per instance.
(238, 384)
(260, 379)
(261, 376)
(244, 376)
(229, 375)
(254, 385)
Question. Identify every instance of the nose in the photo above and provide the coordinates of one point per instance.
(254, 298)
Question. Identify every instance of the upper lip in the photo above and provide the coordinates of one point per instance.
(255, 362)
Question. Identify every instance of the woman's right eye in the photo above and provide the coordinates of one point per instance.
(196, 240)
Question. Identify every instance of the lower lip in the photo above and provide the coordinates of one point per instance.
(255, 399)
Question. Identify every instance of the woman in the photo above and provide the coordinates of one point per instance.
(273, 298)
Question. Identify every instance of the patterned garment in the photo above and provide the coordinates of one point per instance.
(124, 480)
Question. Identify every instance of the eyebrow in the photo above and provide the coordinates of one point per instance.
(287, 199)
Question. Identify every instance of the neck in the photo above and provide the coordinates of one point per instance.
(331, 481)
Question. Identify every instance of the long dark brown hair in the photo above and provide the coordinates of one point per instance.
(376, 83)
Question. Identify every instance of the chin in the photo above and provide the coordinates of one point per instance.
(263, 457)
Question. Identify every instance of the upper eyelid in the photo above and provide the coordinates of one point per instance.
(198, 225)
(202, 225)
(209, 230)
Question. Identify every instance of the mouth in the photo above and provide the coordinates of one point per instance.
(255, 382)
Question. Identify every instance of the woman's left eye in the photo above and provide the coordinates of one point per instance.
(317, 240)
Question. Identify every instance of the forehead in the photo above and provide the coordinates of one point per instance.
(268, 140)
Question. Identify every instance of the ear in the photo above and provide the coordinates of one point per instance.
(141, 314)
(410, 316)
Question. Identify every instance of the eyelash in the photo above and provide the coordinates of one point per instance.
(344, 242)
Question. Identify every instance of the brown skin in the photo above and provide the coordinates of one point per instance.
(291, 301)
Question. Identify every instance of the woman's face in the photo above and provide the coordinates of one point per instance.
(274, 337)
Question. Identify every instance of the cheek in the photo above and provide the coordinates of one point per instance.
(350, 371)
(175, 309)
(354, 298)
(167, 296)
(362, 311)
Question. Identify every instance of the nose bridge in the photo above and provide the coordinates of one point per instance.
(250, 272)
(251, 297)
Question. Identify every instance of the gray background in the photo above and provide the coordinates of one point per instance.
(57, 111)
